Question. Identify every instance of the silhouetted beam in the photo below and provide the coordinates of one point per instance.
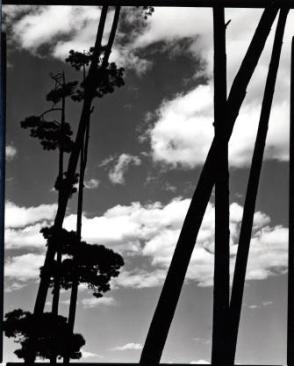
(221, 287)
(290, 323)
(164, 313)
(2, 177)
(252, 187)
(172, 3)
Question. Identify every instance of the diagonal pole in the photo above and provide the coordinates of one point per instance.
(252, 188)
(290, 323)
(221, 289)
(167, 303)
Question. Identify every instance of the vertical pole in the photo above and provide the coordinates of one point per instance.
(2, 178)
(221, 290)
(290, 323)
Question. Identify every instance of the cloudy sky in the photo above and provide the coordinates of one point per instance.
(148, 143)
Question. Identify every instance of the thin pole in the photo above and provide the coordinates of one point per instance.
(252, 187)
(290, 323)
(221, 290)
(171, 290)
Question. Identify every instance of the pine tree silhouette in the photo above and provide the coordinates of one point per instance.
(49, 335)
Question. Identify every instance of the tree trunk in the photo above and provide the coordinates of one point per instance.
(165, 309)
(221, 290)
(252, 188)
(83, 163)
(56, 291)
(74, 290)
(72, 165)
(290, 323)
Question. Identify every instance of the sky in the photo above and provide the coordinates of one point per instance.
(148, 142)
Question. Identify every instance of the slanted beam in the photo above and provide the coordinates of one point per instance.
(221, 289)
(252, 187)
(171, 290)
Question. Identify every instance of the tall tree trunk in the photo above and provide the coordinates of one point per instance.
(165, 309)
(252, 188)
(71, 170)
(74, 290)
(56, 291)
(290, 323)
(221, 290)
(83, 163)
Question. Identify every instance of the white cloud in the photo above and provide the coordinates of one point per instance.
(63, 27)
(183, 131)
(91, 183)
(150, 232)
(26, 237)
(24, 267)
(128, 347)
(138, 278)
(93, 302)
(67, 27)
(124, 161)
(17, 217)
(87, 354)
(10, 152)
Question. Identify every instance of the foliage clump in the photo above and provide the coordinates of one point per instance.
(43, 335)
(105, 79)
(90, 264)
(50, 133)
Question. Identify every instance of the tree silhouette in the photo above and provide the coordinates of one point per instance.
(45, 335)
(94, 265)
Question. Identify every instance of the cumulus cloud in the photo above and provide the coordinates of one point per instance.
(128, 347)
(17, 217)
(93, 302)
(63, 27)
(123, 163)
(10, 152)
(150, 232)
(182, 132)
(23, 225)
(26, 237)
(24, 267)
